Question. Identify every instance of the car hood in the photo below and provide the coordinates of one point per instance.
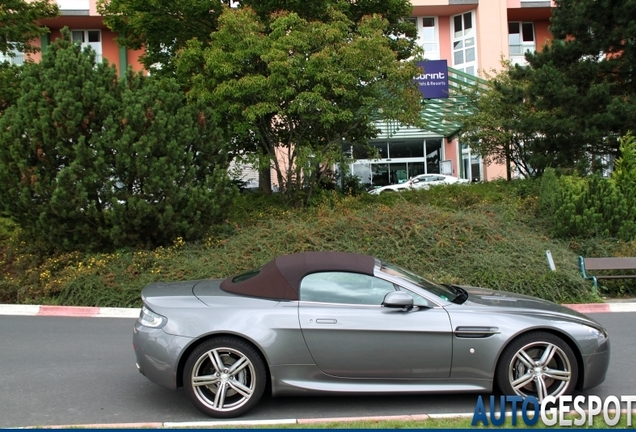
(523, 304)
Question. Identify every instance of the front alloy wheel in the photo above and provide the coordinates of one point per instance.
(224, 377)
(537, 364)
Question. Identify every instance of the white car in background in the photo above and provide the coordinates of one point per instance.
(422, 181)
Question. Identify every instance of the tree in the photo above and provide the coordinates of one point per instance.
(9, 85)
(163, 27)
(91, 162)
(18, 28)
(582, 84)
(299, 85)
(18, 23)
(500, 124)
(160, 27)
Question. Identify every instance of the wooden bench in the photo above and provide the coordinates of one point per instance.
(607, 264)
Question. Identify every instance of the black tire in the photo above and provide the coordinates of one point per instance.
(220, 391)
(537, 360)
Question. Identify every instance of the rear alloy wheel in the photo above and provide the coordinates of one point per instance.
(538, 364)
(224, 377)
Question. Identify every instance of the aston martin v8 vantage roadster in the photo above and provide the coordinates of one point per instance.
(335, 322)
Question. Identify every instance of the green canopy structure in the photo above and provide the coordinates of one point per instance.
(438, 114)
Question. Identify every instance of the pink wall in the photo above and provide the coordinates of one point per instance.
(445, 38)
(451, 152)
(492, 35)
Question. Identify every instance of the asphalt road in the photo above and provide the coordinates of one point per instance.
(68, 371)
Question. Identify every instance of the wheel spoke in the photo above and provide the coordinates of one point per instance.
(542, 391)
(561, 375)
(204, 380)
(219, 398)
(216, 361)
(522, 381)
(548, 354)
(239, 365)
(525, 359)
(241, 388)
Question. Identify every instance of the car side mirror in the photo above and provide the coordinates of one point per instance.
(398, 300)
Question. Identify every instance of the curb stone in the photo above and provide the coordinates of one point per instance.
(107, 312)
(274, 422)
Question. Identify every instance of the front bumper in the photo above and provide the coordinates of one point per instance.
(158, 354)
(596, 365)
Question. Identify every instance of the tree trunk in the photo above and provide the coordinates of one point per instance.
(508, 165)
(265, 180)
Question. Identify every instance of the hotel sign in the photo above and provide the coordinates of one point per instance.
(433, 81)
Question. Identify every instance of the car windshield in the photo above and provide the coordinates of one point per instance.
(439, 290)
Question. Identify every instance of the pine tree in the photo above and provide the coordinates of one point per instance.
(582, 87)
(90, 162)
(624, 177)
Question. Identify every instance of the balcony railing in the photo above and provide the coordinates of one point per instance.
(14, 58)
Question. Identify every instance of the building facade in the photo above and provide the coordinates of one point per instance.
(88, 28)
(471, 35)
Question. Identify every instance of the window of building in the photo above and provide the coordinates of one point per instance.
(380, 174)
(13, 57)
(521, 39)
(433, 156)
(399, 160)
(406, 149)
(92, 38)
(428, 35)
(464, 43)
(471, 164)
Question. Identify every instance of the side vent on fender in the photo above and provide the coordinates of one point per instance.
(475, 332)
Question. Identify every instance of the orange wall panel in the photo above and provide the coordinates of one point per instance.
(133, 60)
(542, 33)
(110, 49)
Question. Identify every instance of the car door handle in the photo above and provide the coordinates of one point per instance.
(326, 321)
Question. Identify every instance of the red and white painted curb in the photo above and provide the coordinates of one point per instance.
(69, 311)
(100, 312)
(242, 423)
(591, 308)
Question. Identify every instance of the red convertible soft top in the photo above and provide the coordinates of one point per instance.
(280, 278)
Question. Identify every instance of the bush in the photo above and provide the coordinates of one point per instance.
(90, 162)
(593, 206)
(483, 245)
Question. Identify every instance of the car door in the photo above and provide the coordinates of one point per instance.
(350, 335)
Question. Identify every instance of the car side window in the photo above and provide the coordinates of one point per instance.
(344, 288)
(418, 300)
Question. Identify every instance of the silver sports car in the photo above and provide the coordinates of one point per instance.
(335, 322)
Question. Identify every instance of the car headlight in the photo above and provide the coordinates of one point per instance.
(149, 318)
(600, 333)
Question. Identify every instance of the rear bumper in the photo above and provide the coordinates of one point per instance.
(158, 354)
